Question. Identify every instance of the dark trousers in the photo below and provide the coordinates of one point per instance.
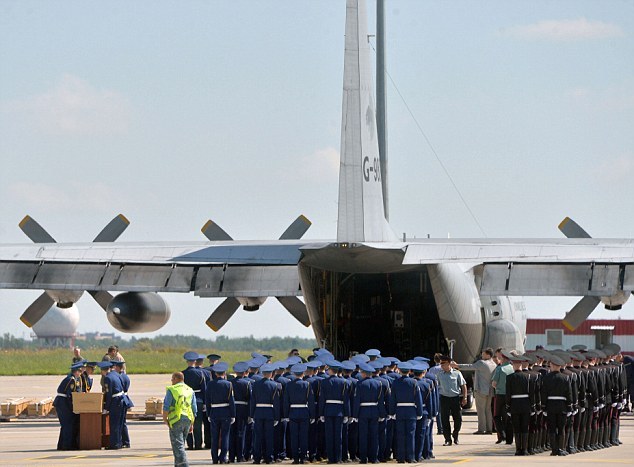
(263, 436)
(125, 436)
(280, 440)
(405, 433)
(353, 440)
(67, 422)
(248, 441)
(206, 428)
(298, 429)
(428, 444)
(502, 423)
(419, 437)
(220, 438)
(195, 439)
(520, 422)
(333, 433)
(116, 412)
(313, 431)
(450, 405)
(389, 439)
(382, 438)
(237, 439)
(368, 439)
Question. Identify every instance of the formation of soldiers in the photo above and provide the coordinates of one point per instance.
(566, 401)
(115, 384)
(368, 409)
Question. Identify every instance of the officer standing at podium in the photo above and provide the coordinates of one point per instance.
(63, 404)
(113, 402)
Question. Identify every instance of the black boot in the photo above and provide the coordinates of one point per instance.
(518, 444)
(524, 438)
(561, 439)
(553, 445)
(613, 429)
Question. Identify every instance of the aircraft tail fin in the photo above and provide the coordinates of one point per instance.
(361, 211)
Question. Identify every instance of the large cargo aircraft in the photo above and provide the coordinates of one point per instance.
(367, 288)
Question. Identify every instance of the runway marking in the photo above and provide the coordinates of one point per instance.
(464, 460)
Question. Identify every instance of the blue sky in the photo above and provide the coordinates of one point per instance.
(176, 112)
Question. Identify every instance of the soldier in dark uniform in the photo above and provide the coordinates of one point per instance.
(113, 402)
(419, 368)
(535, 377)
(127, 402)
(350, 433)
(221, 411)
(406, 405)
(556, 395)
(368, 406)
(209, 375)
(313, 430)
(242, 396)
(280, 428)
(334, 410)
(299, 411)
(519, 402)
(63, 404)
(195, 379)
(265, 410)
(377, 366)
(582, 401)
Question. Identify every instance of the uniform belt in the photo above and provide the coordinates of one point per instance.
(264, 405)
(333, 401)
(369, 404)
(119, 394)
(519, 396)
(299, 406)
(406, 404)
(241, 403)
(218, 406)
(556, 398)
(197, 390)
(61, 395)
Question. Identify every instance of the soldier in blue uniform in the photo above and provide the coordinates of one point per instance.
(86, 376)
(349, 448)
(221, 410)
(428, 446)
(367, 408)
(280, 428)
(299, 411)
(265, 411)
(334, 410)
(254, 364)
(113, 402)
(315, 384)
(209, 375)
(242, 396)
(376, 365)
(63, 404)
(127, 402)
(406, 404)
(195, 379)
(419, 368)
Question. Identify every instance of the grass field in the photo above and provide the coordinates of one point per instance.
(58, 361)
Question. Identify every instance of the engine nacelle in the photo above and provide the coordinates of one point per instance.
(616, 301)
(138, 312)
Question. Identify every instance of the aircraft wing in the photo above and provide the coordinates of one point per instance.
(209, 269)
(538, 267)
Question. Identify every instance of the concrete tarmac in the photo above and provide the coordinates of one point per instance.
(31, 442)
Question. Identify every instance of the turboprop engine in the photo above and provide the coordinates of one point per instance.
(138, 312)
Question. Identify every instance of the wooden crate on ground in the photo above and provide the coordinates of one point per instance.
(14, 407)
(154, 406)
(40, 408)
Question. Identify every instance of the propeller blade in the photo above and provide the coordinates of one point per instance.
(221, 315)
(297, 308)
(214, 232)
(113, 230)
(37, 310)
(297, 229)
(580, 312)
(35, 231)
(572, 230)
(102, 297)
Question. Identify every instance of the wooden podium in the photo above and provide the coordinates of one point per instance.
(94, 431)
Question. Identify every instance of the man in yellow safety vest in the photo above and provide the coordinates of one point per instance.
(179, 411)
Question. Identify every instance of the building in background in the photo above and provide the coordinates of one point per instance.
(593, 333)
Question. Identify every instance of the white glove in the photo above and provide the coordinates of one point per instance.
(624, 402)
(233, 420)
(209, 418)
(381, 420)
(204, 408)
(345, 420)
(275, 423)
(595, 409)
(619, 406)
(419, 417)
(105, 412)
(286, 420)
(582, 410)
(575, 412)
(428, 422)
(249, 420)
(532, 414)
(601, 406)
(508, 414)
(391, 417)
(312, 420)
(545, 414)
(322, 419)
(613, 404)
(568, 414)
(353, 420)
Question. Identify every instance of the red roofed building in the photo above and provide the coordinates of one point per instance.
(593, 333)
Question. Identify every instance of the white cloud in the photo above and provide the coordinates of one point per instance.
(74, 107)
(613, 98)
(565, 30)
(323, 164)
(69, 196)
